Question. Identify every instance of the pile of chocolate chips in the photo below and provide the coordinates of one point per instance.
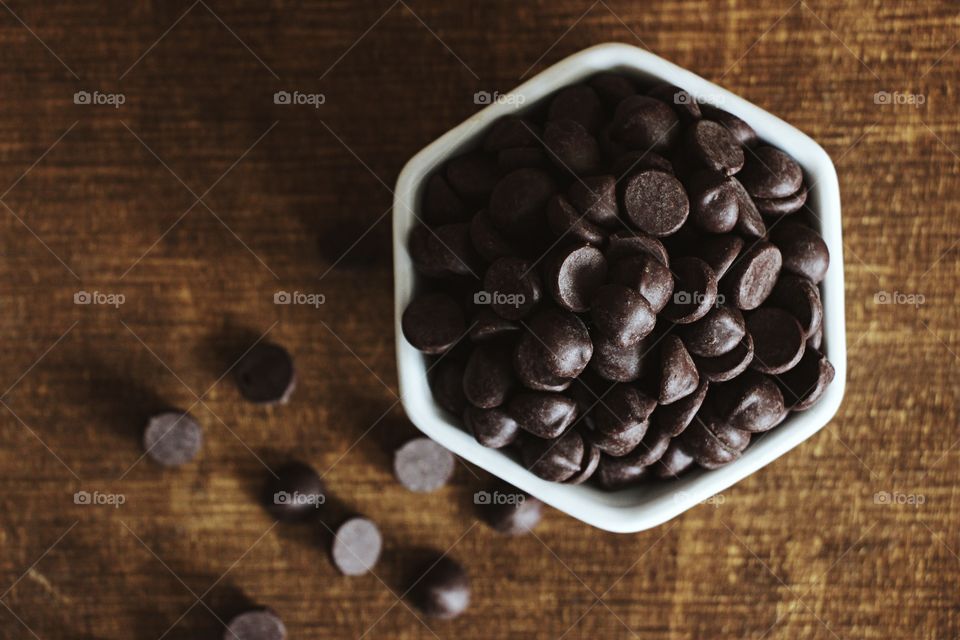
(621, 284)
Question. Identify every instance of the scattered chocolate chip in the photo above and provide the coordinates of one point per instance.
(296, 492)
(265, 374)
(258, 624)
(356, 547)
(510, 512)
(173, 438)
(443, 589)
(422, 465)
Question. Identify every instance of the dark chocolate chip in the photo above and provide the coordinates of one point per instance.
(614, 472)
(595, 198)
(573, 274)
(444, 251)
(619, 443)
(694, 293)
(678, 377)
(433, 323)
(356, 547)
(713, 443)
(750, 281)
(804, 251)
(719, 251)
(673, 463)
(714, 147)
(627, 243)
(421, 465)
(265, 374)
(473, 175)
(591, 460)
(803, 385)
(544, 414)
(778, 340)
(647, 276)
(801, 298)
(492, 428)
(294, 493)
(631, 162)
(568, 224)
(655, 202)
(521, 158)
(558, 459)
(782, 206)
(447, 385)
(487, 325)
(518, 203)
(642, 122)
(729, 365)
(621, 409)
(740, 130)
(511, 287)
(443, 589)
(622, 314)
(531, 362)
(258, 624)
(487, 241)
(714, 206)
(684, 104)
(816, 340)
(440, 204)
(619, 364)
(509, 511)
(571, 147)
(612, 88)
(770, 173)
(511, 133)
(173, 438)
(564, 339)
(751, 402)
(749, 221)
(672, 419)
(716, 333)
(579, 103)
(488, 377)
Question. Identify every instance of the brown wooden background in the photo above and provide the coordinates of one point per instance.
(97, 199)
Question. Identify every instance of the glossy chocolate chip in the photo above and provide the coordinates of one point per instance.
(571, 147)
(619, 443)
(544, 414)
(782, 206)
(673, 463)
(447, 385)
(694, 293)
(257, 624)
(172, 438)
(749, 221)
(486, 240)
(570, 225)
(622, 408)
(595, 198)
(801, 298)
(628, 243)
(804, 251)
(751, 279)
(683, 104)
(488, 377)
(473, 175)
(356, 547)
(492, 428)
(558, 459)
(441, 205)
(591, 460)
(778, 340)
(564, 338)
(487, 325)
(510, 511)
(721, 330)
(644, 123)
(729, 365)
(712, 146)
(740, 130)
(678, 374)
(714, 206)
(647, 276)
(719, 251)
(804, 385)
(673, 418)
(612, 88)
(443, 589)
(619, 364)
(770, 173)
(573, 274)
(518, 203)
(579, 103)
(421, 465)
(511, 133)
(751, 402)
(622, 314)
(294, 492)
(655, 202)
(433, 323)
(512, 288)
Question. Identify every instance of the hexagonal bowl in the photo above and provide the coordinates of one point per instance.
(639, 507)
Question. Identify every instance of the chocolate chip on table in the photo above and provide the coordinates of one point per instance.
(557, 459)
(488, 377)
(265, 374)
(573, 274)
(714, 205)
(751, 279)
(257, 624)
(613, 362)
(694, 293)
(513, 287)
(442, 589)
(714, 147)
(516, 516)
(472, 175)
(492, 428)
(487, 325)
(778, 340)
(595, 198)
(622, 314)
(562, 340)
(571, 147)
(770, 173)
(740, 130)
(645, 274)
(172, 438)
(579, 103)
(673, 463)
(446, 383)
(803, 385)
(751, 402)
(511, 133)
(356, 547)
(729, 365)
(804, 251)
(679, 377)
(570, 225)
(441, 205)
(487, 241)
(518, 203)
(432, 323)
(645, 123)
(801, 298)
(673, 418)
(295, 493)
(655, 202)
(543, 414)
(588, 467)
(716, 333)
(782, 206)
(421, 465)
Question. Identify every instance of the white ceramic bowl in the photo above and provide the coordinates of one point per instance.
(635, 508)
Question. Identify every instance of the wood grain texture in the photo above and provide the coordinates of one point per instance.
(799, 550)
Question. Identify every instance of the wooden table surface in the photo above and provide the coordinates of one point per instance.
(198, 198)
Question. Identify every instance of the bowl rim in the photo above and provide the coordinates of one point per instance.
(620, 511)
